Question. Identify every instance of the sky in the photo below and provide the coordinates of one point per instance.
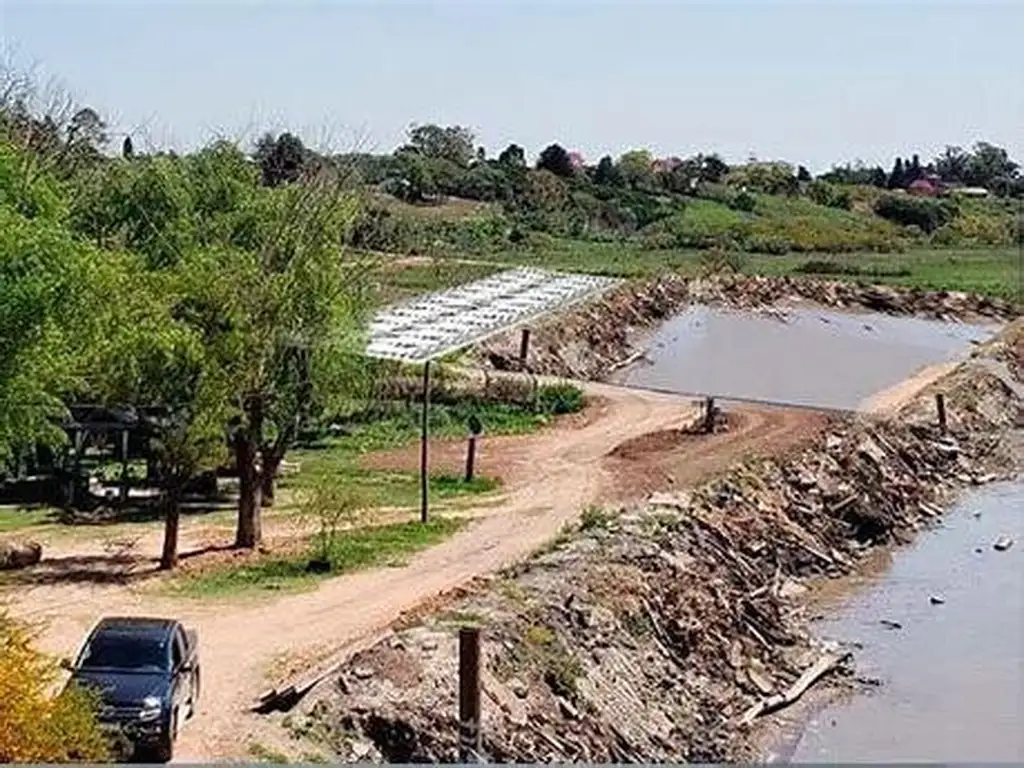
(815, 83)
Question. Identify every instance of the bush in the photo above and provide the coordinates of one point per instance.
(744, 201)
(35, 726)
(771, 244)
(559, 399)
(929, 215)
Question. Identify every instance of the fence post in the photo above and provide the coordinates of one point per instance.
(940, 406)
(469, 695)
(470, 458)
(524, 347)
(709, 415)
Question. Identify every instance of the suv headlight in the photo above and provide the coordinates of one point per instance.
(151, 708)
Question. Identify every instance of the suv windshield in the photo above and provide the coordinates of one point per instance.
(125, 652)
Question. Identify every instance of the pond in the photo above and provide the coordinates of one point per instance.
(812, 358)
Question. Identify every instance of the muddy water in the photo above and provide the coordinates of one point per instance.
(815, 357)
(953, 675)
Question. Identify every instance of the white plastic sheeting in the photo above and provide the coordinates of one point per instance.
(434, 325)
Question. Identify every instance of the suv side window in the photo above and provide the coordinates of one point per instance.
(177, 651)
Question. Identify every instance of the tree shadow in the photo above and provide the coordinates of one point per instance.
(116, 569)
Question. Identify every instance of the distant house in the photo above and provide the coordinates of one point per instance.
(666, 164)
(924, 188)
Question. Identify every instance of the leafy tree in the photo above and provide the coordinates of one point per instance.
(282, 322)
(127, 149)
(989, 164)
(555, 159)
(802, 174)
(713, 168)
(636, 168)
(897, 178)
(607, 173)
(512, 156)
(452, 143)
(413, 180)
(952, 165)
(282, 159)
(37, 726)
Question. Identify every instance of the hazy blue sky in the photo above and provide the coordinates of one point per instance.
(807, 82)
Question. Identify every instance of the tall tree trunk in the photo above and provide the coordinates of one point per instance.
(172, 521)
(249, 531)
(247, 454)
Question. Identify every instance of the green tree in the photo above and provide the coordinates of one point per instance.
(637, 169)
(282, 159)
(555, 159)
(607, 174)
(283, 323)
(988, 164)
(512, 157)
(452, 143)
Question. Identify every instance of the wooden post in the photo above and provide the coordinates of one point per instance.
(124, 466)
(470, 458)
(424, 476)
(940, 406)
(709, 415)
(469, 695)
(524, 347)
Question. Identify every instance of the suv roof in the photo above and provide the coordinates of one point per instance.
(134, 625)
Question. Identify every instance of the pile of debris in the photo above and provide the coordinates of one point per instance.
(660, 634)
(595, 339)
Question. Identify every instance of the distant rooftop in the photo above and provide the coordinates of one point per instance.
(437, 324)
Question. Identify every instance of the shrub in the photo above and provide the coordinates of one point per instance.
(744, 201)
(929, 215)
(559, 399)
(772, 244)
(35, 726)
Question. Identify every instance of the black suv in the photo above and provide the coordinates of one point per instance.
(146, 672)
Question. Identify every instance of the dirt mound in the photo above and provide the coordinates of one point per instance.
(648, 635)
(593, 340)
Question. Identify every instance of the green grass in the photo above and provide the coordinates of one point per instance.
(990, 271)
(338, 457)
(14, 518)
(353, 550)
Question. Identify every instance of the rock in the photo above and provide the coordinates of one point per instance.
(791, 589)
(430, 644)
(937, 599)
(1002, 544)
(363, 673)
(19, 554)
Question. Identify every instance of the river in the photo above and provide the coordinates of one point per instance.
(952, 671)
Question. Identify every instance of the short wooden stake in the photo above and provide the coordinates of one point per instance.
(709, 415)
(469, 695)
(940, 406)
(524, 347)
(470, 458)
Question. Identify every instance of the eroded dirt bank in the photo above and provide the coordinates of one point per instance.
(650, 634)
(595, 339)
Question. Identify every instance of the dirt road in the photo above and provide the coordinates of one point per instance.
(550, 478)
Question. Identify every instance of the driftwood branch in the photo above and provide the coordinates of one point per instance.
(811, 675)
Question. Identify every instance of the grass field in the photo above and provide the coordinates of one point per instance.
(991, 271)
